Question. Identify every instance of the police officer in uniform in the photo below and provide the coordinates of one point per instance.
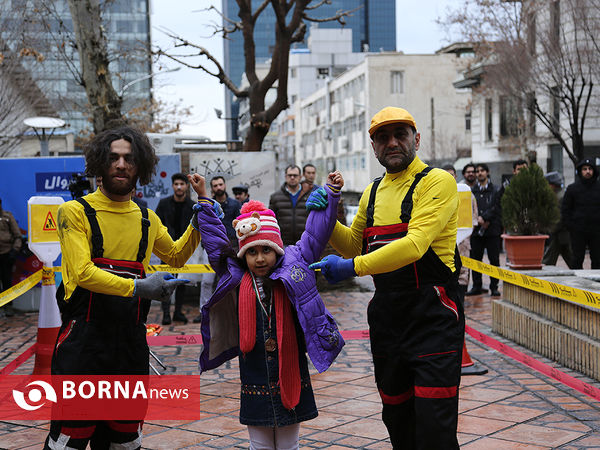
(404, 235)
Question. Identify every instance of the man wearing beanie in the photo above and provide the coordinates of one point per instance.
(404, 234)
(581, 214)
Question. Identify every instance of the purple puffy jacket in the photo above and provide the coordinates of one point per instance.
(220, 330)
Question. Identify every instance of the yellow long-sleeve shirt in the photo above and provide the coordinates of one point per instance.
(433, 221)
(120, 223)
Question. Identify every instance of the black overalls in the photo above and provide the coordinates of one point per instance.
(416, 323)
(102, 335)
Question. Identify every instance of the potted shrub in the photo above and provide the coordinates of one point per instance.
(529, 211)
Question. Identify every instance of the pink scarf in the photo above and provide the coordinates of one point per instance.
(289, 371)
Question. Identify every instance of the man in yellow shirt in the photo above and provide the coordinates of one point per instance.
(106, 241)
(404, 235)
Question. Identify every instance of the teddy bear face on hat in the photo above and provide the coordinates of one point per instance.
(247, 227)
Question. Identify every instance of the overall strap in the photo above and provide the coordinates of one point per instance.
(144, 241)
(371, 204)
(407, 203)
(97, 239)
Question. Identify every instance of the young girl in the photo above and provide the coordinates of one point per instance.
(267, 310)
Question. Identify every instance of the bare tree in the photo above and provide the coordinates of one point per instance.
(20, 97)
(543, 54)
(93, 58)
(166, 117)
(290, 27)
(97, 65)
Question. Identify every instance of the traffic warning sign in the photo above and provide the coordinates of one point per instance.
(49, 223)
(43, 223)
(43, 228)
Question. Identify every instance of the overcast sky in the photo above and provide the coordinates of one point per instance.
(416, 32)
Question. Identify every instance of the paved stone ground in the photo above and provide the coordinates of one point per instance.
(510, 407)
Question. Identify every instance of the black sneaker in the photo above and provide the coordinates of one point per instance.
(474, 291)
(494, 293)
(198, 318)
(180, 317)
(166, 319)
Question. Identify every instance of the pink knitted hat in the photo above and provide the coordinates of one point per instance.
(257, 225)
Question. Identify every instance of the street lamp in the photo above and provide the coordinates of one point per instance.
(145, 77)
(43, 124)
(219, 114)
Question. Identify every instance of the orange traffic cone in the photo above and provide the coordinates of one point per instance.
(468, 367)
(48, 324)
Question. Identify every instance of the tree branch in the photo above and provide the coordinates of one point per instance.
(339, 17)
(201, 52)
(318, 4)
(259, 10)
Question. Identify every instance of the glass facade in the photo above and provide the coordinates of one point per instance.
(127, 25)
(373, 28)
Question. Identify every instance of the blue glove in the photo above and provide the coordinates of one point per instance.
(170, 276)
(317, 199)
(218, 210)
(335, 268)
(216, 206)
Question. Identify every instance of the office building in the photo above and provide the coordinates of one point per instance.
(127, 28)
(332, 122)
(373, 27)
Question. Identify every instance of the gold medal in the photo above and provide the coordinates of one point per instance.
(270, 345)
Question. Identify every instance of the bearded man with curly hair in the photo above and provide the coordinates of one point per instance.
(106, 241)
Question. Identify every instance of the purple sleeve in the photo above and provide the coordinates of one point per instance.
(213, 233)
(318, 229)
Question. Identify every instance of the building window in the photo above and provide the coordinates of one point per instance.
(531, 33)
(555, 108)
(531, 102)
(293, 72)
(468, 120)
(555, 162)
(555, 23)
(489, 135)
(397, 82)
(509, 118)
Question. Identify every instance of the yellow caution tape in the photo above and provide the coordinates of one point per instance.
(575, 295)
(23, 286)
(48, 276)
(571, 294)
(188, 268)
(20, 288)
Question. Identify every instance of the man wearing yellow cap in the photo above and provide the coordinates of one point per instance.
(404, 234)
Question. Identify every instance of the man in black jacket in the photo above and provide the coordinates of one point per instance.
(486, 234)
(175, 212)
(289, 205)
(581, 214)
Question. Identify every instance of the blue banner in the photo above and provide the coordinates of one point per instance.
(52, 181)
(23, 178)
